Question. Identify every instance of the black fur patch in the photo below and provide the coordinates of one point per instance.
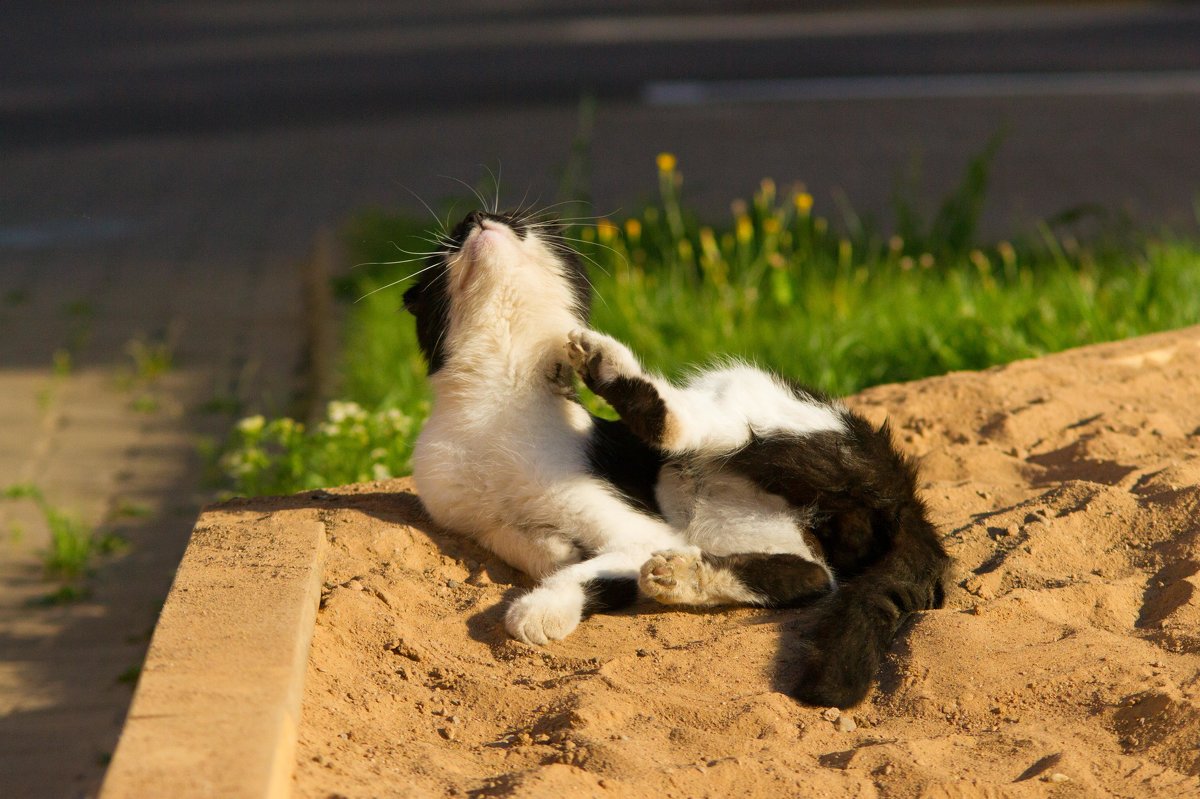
(429, 301)
(876, 536)
(575, 271)
(784, 580)
(639, 404)
(609, 593)
(856, 481)
(615, 454)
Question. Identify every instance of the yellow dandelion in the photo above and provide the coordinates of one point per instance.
(845, 251)
(605, 230)
(666, 162)
(1007, 254)
(771, 224)
(803, 202)
(745, 229)
(633, 228)
(980, 261)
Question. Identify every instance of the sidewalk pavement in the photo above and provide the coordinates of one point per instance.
(172, 243)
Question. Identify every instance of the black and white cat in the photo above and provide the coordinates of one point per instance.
(736, 487)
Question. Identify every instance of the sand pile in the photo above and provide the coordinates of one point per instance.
(1066, 663)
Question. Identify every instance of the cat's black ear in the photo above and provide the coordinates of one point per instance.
(414, 298)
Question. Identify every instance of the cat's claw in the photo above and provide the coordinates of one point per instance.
(544, 615)
(578, 348)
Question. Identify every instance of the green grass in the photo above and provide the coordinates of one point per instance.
(838, 306)
(352, 444)
(74, 544)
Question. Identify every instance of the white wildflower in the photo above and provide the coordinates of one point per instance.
(251, 425)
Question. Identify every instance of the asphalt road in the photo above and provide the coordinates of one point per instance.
(1099, 102)
(105, 70)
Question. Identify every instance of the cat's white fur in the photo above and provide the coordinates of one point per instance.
(503, 456)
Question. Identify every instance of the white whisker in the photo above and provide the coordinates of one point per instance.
(418, 254)
(595, 244)
(387, 263)
(397, 282)
(472, 189)
(427, 208)
(496, 184)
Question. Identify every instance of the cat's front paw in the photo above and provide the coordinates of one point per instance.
(599, 359)
(544, 614)
(675, 577)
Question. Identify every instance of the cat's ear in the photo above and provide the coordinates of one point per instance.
(414, 298)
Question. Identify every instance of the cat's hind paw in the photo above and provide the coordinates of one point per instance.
(674, 577)
(599, 359)
(544, 615)
(684, 577)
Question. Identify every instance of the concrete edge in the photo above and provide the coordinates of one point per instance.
(217, 708)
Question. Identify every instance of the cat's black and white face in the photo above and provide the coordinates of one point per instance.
(500, 276)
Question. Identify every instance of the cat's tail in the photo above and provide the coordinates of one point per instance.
(848, 632)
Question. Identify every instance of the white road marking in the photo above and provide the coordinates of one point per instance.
(912, 87)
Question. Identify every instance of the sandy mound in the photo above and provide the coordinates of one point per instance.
(1065, 663)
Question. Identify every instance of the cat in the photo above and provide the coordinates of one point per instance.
(736, 487)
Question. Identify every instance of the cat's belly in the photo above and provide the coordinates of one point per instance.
(726, 514)
(482, 479)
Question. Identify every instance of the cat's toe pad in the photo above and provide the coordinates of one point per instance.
(544, 615)
(674, 577)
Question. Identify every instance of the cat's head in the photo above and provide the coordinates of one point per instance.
(497, 269)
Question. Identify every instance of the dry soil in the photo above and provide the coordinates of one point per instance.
(1065, 662)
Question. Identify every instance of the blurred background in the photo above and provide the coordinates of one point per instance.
(168, 169)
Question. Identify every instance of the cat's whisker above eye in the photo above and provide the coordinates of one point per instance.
(421, 200)
(495, 182)
(482, 202)
(521, 205)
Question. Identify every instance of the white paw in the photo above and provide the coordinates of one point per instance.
(674, 577)
(545, 614)
(599, 359)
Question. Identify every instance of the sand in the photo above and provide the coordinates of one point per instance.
(1065, 663)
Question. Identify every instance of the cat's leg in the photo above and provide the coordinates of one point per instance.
(553, 609)
(536, 552)
(622, 538)
(611, 370)
(719, 411)
(691, 577)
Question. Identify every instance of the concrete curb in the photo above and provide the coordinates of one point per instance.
(218, 702)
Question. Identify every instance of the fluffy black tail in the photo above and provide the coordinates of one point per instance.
(848, 632)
